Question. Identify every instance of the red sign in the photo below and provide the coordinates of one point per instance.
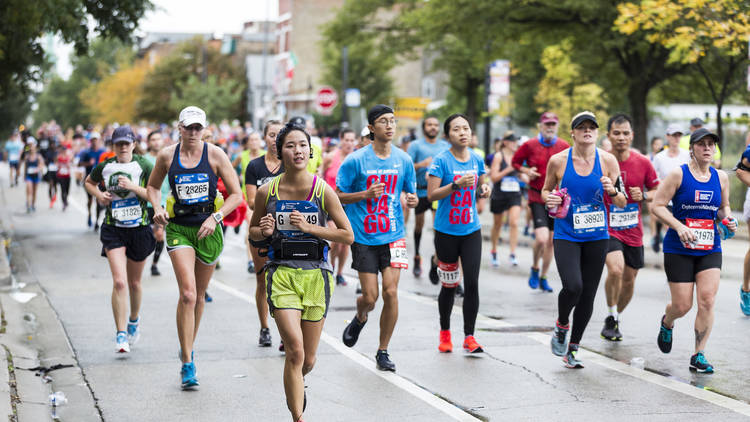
(326, 100)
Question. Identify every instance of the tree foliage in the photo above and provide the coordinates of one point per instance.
(172, 73)
(114, 98)
(23, 22)
(217, 98)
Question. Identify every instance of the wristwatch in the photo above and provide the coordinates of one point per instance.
(218, 217)
(645, 197)
(454, 186)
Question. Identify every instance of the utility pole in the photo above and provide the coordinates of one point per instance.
(344, 83)
(487, 119)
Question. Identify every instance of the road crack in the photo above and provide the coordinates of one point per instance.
(536, 374)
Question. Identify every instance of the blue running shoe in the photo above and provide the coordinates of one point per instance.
(544, 285)
(664, 340)
(534, 278)
(134, 331)
(570, 359)
(745, 302)
(189, 380)
(493, 259)
(699, 363)
(558, 341)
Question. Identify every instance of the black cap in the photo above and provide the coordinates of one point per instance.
(123, 133)
(377, 111)
(697, 122)
(701, 133)
(297, 120)
(510, 137)
(582, 117)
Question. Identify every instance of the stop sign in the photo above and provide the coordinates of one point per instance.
(326, 100)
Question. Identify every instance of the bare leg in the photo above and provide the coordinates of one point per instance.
(706, 286)
(514, 214)
(389, 315)
(627, 288)
(118, 266)
(135, 269)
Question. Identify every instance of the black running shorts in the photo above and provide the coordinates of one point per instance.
(633, 254)
(370, 258)
(138, 241)
(683, 268)
(541, 216)
(422, 206)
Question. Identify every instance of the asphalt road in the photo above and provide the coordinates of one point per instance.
(516, 379)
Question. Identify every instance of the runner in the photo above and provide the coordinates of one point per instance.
(531, 159)
(422, 152)
(193, 243)
(89, 159)
(743, 173)
(625, 256)
(370, 181)
(664, 163)
(299, 276)
(506, 197)
(50, 157)
(126, 237)
(692, 246)
(259, 172)
(331, 165)
(155, 143)
(13, 148)
(453, 179)
(64, 168)
(32, 168)
(581, 235)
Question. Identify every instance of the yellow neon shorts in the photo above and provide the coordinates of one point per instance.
(308, 291)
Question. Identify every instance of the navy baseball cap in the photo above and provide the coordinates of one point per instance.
(123, 134)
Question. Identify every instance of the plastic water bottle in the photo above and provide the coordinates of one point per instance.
(724, 231)
(638, 363)
(57, 399)
(560, 211)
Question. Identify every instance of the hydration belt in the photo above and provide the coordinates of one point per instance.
(305, 249)
(181, 210)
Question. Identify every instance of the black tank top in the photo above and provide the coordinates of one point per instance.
(509, 185)
(194, 187)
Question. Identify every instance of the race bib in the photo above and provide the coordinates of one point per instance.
(623, 218)
(64, 171)
(52, 167)
(510, 184)
(399, 259)
(32, 170)
(703, 229)
(284, 211)
(588, 218)
(449, 274)
(14, 156)
(127, 212)
(192, 188)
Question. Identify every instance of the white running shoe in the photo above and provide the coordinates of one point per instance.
(122, 343)
(134, 331)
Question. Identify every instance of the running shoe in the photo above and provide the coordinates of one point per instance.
(384, 362)
(471, 345)
(155, 270)
(208, 297)
(189, 380)
(359, 288)
(281, 346)
(122, 343)
(656, 243)
(340, 280)
(513, 260)
(351, 332)
(544, 285)
(699, 363)
(493, 259)
(459, 291)
(611, 330)
(52, 201)
(433, 271)
(250, 266)
(526, 231)
(446, 346)
(534, 278)
(558, 342)
(745, 302)
(96, 226)
(265, 338)
(417, 266)
(570, 359)
(134, 331)
(664, 340)
(89, 221)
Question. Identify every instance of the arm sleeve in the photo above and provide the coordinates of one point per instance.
(436, 168)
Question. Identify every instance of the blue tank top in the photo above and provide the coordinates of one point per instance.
(696, 204)
(32, 168)
(192, 188)
(586, 220)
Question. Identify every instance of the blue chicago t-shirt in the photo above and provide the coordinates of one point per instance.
(419, 150)
(377, 221)
(457, 212)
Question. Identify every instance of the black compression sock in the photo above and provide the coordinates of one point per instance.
(417, 239)
(157, 251)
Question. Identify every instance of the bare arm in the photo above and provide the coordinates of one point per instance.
(551, 181)
(744, 176)
(231, 181)
(158, 173)
(374, 191)
(725, 210)
(250, 190)
(259, 211)
(495, 173)
(613, 172)
(664, 193)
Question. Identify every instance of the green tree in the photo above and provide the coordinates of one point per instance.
(171, 74)
(712, 35)
(23, 23)
(217, 98)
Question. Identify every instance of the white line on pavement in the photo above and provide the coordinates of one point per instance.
(418, 392)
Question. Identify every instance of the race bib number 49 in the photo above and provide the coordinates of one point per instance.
(192, 188)
(399, 259)
(703, 229)
(587, 219)
(284, 211)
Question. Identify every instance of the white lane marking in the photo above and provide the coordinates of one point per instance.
(418, 392)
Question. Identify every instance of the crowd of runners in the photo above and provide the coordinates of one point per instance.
(307, 203)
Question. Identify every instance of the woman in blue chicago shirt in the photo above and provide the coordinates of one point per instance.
(692, 245)
(453, 179)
